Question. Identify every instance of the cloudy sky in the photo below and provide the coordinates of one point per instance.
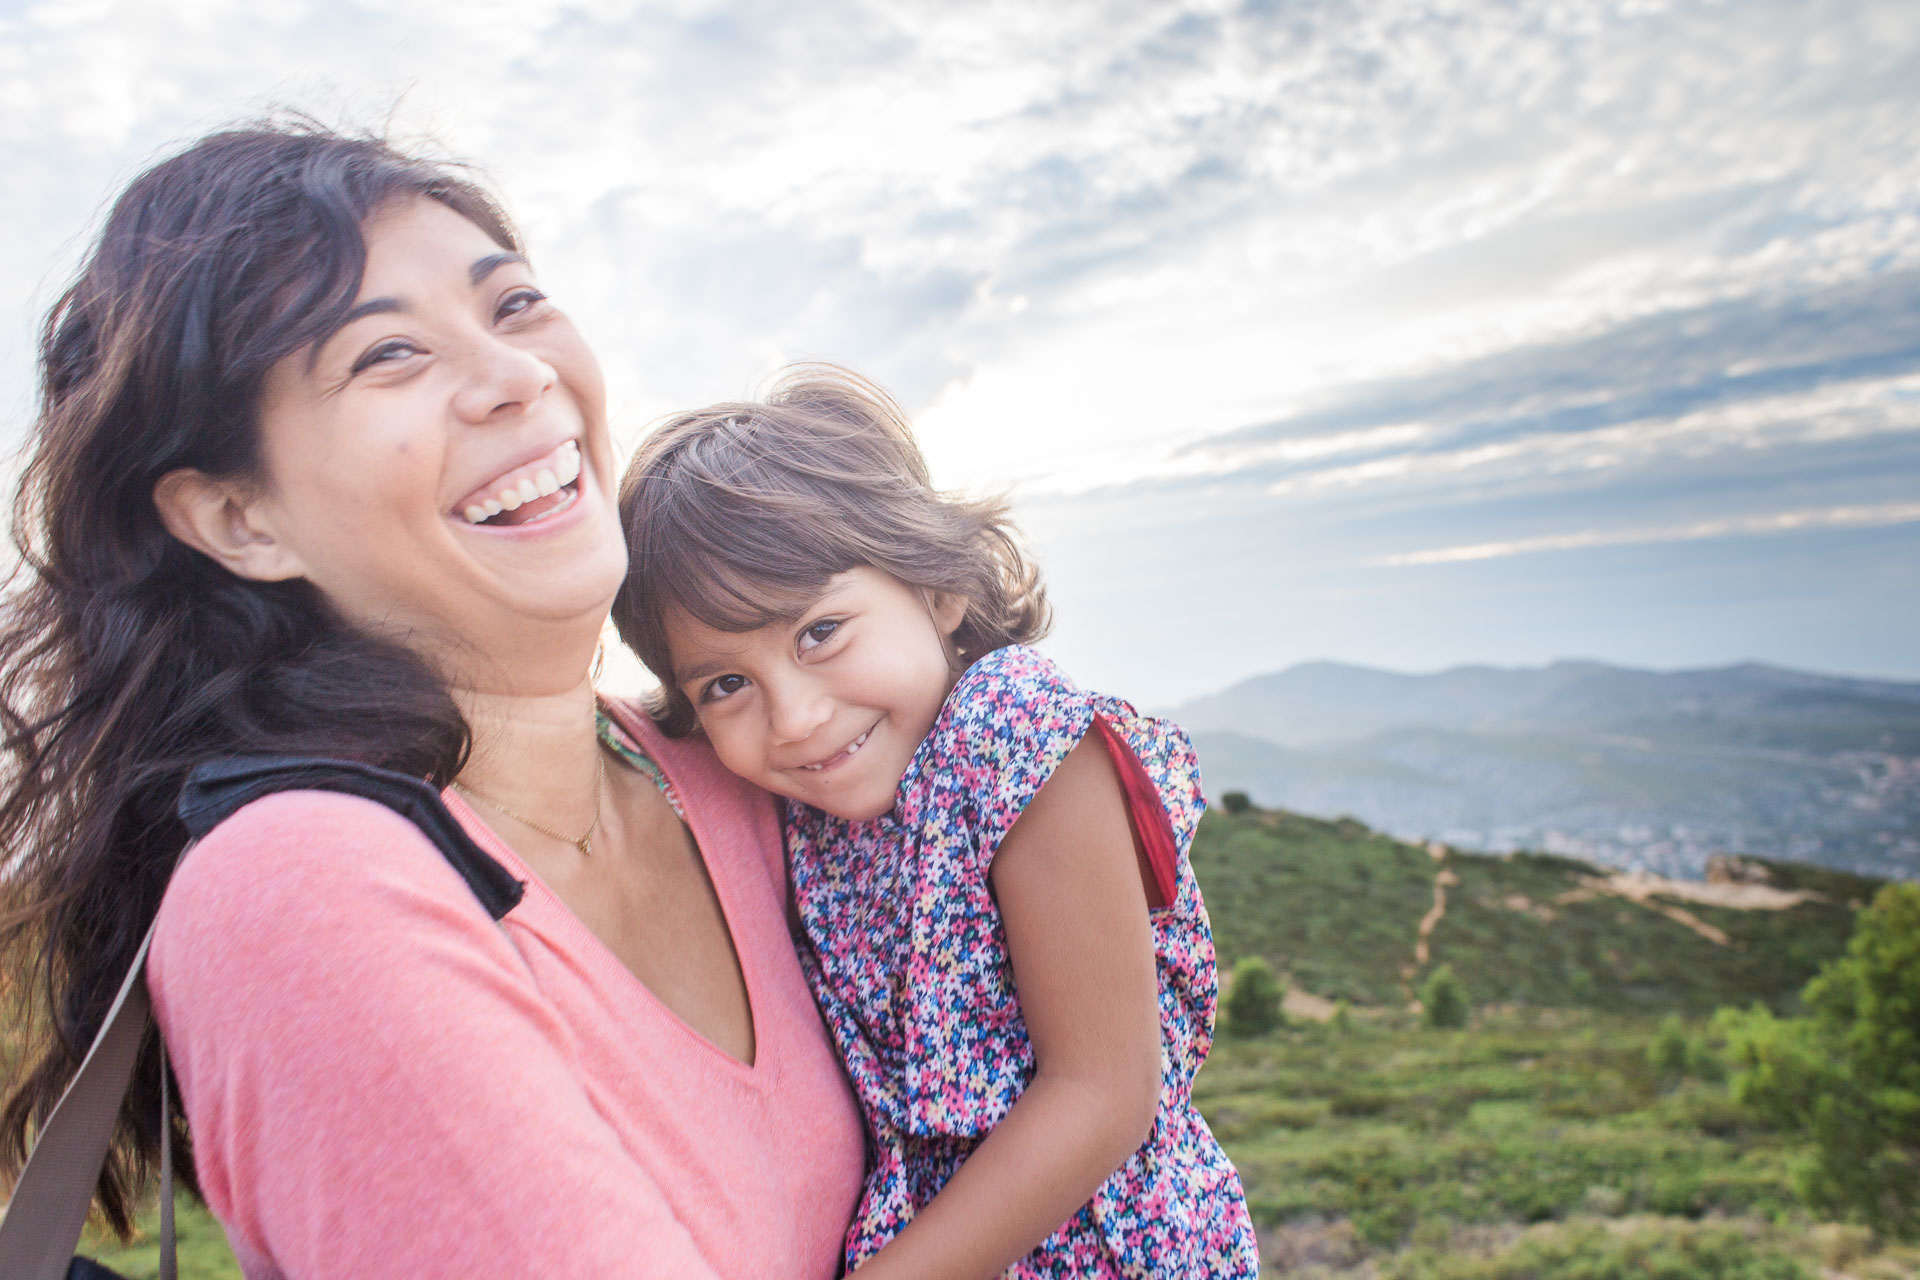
(1403, 332)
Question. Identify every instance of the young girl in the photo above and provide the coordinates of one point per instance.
(989, 862)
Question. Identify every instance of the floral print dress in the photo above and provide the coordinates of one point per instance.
(908, 959)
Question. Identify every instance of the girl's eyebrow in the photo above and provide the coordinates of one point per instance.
(700, 671)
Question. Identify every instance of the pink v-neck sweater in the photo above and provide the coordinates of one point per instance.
(382, 1081)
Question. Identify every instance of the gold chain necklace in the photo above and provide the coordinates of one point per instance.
(584, 843)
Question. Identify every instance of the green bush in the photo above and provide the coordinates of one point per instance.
(1253, 999)
(1849, 1075)
(1236, 802)
(1667, 1055)
(1443, 1000)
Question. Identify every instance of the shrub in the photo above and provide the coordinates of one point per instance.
(1253, 999)
(1236, 802)
(1849, 1075)
(1667, 1055)
(1443, 1000)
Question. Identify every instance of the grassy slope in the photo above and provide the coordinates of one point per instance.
(1338, 907)
(1391, 1146)
(1540, 1145)
(1536, 1145)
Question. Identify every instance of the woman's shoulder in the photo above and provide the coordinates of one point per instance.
(296, 855)
(308, 891)
(306, 840)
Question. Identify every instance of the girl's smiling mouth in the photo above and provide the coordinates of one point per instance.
(844, 754)
(532, 491)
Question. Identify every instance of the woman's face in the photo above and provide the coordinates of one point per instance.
(439, 467)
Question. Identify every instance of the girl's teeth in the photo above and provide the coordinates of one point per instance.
(546, 481)
(567, 466)
(475, 514)
(510, 500)
(528, 492)
(492, 508)
(852, 748)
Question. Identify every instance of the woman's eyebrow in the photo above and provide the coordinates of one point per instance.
(359, 311)
(484, 267)
(477, 273)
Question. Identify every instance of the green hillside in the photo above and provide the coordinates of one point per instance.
(1545, 1141)
(1542, 1142)
(1339, 909)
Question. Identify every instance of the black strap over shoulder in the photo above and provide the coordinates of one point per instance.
(216, 788)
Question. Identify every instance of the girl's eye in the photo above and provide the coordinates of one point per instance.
(818, 634)
(722, 687)
(384, 353)
(519, 302)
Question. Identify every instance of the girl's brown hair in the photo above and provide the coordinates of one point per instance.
(740, 513)
(126, 657)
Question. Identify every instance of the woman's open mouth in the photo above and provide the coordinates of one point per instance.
(542, 488)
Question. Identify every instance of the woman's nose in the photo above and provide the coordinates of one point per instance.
(501, 377)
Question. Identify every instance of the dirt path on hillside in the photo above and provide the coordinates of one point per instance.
(1442, 877)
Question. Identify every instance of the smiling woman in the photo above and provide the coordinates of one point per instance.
(321, 471)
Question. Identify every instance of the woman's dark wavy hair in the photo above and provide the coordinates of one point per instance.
(740, 513)
(125, 657)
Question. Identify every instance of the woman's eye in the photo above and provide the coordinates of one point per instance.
(818, 634)
(721, 687)
(384, 353)
(519, 302)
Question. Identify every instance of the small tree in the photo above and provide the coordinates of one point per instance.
(1849, 1075)
(1668, 1052)
(1443, 1000)
(1253, 999)
(1236, 802)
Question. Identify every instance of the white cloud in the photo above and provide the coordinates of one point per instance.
(1725, 527)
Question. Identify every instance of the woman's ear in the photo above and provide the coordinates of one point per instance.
(220, 519)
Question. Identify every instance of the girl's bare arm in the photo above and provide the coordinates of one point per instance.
(1070, 893)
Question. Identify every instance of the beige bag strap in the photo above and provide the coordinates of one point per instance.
(55, 1190)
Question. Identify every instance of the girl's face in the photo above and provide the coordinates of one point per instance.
(827, 710)
(455, 391)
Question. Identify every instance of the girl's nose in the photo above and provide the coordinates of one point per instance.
(501, 378)
(795, 711)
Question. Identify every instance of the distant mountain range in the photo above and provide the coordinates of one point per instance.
(1656, 770)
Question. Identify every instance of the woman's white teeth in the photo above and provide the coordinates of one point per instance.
(543, 483)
